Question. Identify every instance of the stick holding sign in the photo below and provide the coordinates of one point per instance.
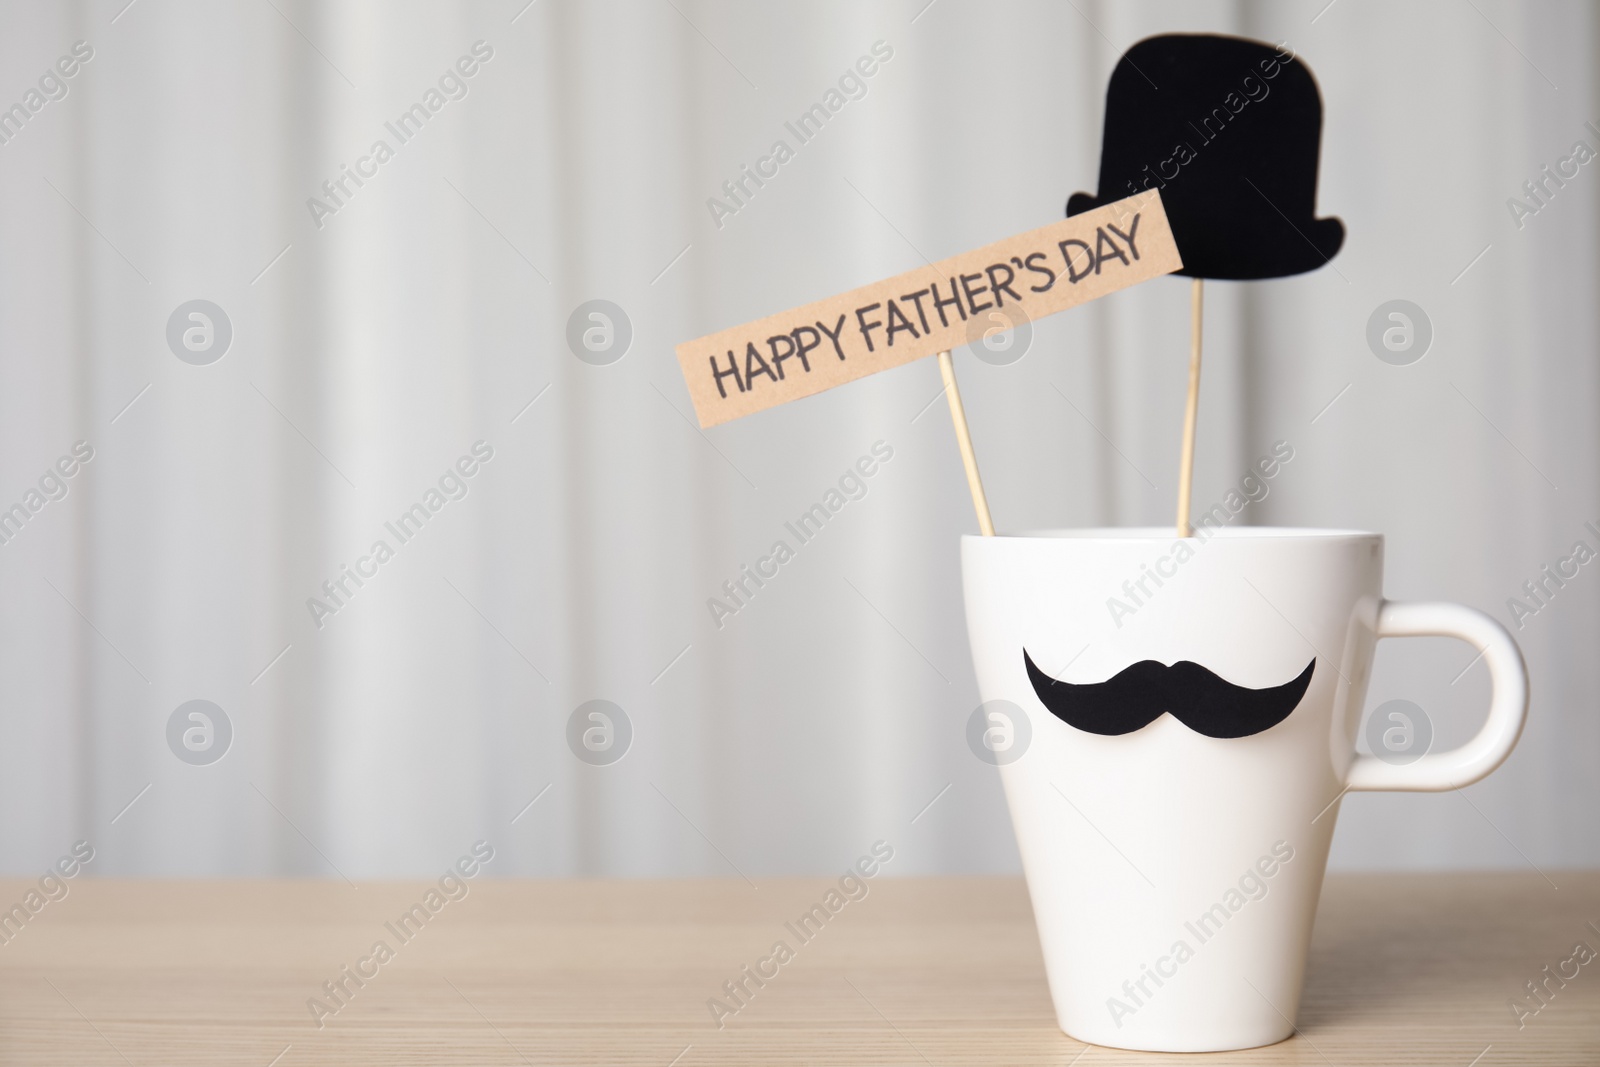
(922, 312)
(969, 458)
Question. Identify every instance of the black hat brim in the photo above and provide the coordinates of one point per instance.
(1304, 249)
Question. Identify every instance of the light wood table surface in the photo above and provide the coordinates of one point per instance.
(1404, 970)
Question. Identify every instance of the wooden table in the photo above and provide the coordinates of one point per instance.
(1405, 970)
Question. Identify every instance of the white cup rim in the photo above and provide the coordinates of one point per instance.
(1167, 534)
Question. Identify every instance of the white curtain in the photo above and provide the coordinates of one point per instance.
(377, 338)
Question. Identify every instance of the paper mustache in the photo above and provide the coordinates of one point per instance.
(1137, 696)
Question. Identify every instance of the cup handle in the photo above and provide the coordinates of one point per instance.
(1508, 701)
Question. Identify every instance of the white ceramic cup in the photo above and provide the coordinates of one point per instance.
(1174, 875)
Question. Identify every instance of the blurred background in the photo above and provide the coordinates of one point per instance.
(355, 338)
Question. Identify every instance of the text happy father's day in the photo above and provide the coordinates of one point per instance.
(937, 307)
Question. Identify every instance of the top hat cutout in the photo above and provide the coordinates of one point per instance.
(1228, 129)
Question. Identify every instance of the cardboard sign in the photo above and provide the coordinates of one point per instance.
(928, 310)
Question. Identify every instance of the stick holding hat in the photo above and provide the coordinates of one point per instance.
(1191, 409)
(1228, 129)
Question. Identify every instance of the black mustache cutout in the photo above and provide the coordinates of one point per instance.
(1137, 696)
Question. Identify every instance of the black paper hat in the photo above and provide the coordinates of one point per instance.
(1228, 129)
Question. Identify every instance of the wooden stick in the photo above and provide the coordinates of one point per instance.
(1192, 412)
(958, 416)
